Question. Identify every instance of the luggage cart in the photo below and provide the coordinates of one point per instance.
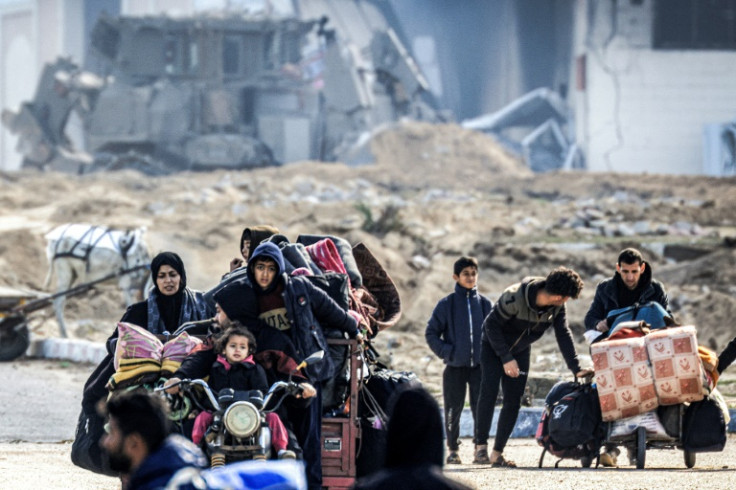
(641, 440)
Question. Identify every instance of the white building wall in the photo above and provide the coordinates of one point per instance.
(644, 110)
(33, 33)
(18, 69)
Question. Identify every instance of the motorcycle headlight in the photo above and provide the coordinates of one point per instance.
(242, 419)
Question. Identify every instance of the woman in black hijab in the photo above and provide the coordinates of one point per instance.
(170, 302)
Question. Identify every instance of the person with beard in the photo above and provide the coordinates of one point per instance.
(138, 442)
(170, 302)
(631, 283)
(413, 446)
(236, 304)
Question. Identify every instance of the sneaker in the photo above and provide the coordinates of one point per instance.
(608, 459)
(453, 458)
(286, 454)
(481, 455)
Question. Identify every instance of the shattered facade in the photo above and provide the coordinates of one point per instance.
(223, 90)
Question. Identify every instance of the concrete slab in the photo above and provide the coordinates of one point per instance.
(75, 350)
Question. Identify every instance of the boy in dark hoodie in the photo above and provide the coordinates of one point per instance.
(249, 240)
(454, 334)
(300, 309)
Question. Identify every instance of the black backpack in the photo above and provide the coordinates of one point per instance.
(571, 426)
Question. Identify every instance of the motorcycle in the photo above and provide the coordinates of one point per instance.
(238, 430)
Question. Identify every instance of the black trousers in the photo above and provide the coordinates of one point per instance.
(307, 424)
(454, 383)
(493, 377)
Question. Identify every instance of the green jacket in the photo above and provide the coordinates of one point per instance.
(515, 322)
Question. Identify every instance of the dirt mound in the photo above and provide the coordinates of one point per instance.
(436, 192)
(422, 155)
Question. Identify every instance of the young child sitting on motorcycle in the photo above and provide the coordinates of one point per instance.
(236, 369)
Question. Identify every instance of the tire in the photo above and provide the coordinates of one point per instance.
(689, 458)
(14, 338)
(641, 447)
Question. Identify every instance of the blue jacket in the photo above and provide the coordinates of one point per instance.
(175, 453)
(308, 310)
(454, 331)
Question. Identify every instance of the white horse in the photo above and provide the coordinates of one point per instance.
(80, 253)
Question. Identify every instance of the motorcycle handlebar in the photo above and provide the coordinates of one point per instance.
(290, 387)
(186, 383)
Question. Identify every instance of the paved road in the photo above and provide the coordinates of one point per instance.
(40, 399)
(39, 405)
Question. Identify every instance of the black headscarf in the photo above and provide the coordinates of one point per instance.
(169, 307)
(414, 434)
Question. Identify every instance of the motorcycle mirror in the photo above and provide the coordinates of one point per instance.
(314, 358)
(317, 356)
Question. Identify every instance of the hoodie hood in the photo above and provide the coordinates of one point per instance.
(271, 251)
(256, 235)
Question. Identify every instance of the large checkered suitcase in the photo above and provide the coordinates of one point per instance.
(623, 377)
(678, 373)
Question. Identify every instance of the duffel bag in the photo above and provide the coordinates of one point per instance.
(86, 451)
(704, 426)
(380, 386)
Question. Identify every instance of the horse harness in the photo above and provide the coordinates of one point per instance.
(86, 241)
